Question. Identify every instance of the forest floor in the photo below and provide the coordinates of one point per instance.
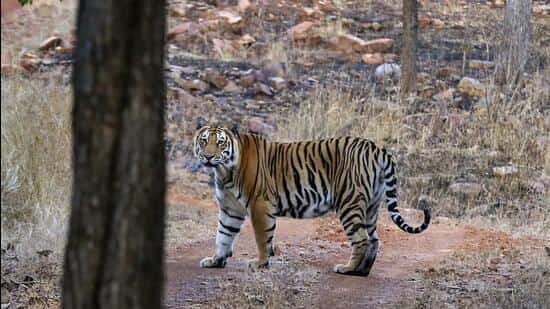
(297, 70)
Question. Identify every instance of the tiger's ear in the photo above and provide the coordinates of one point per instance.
(201, 122)
(234, 128)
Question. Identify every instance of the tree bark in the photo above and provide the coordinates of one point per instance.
(514, 51)
(408, 48)
(114, 253)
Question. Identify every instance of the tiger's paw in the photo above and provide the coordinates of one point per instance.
(257, 265)
(346, 270)
(212, 262)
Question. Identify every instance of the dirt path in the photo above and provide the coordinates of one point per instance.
(319, 244)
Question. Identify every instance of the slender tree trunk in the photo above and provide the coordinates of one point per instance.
(514, 51)
(408, 48)
(114, 254)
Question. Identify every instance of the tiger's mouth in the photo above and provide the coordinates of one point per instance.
(209, 164)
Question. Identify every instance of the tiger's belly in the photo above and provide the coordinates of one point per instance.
(303, 211)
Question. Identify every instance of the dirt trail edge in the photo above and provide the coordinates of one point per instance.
(310, 242)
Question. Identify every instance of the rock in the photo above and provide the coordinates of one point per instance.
(536, 186)
(29, 62)
(246, 40)
(466, 188)
(348, 43)
(231, 87)
(423, 22)
(182, 31)
(310, 13)
(64, 50)
(446, 72)
(304, 33)
(184, 96)
(375, 26)
(437, 23)
(481, 64)
(244, 6)
(503, 171)
(247, 80)
(379, 45)
(261, 88)
(231, 21)
(215, 78)
(471, 87)
(389, 58)
(277, 83)
(273, 69)
(445, 96)
(50, 43)
(375, 58)
(189, 85)
(387, 70)
(258, 125)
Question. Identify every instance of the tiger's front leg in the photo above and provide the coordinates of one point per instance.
(230, 220)
(263, 222)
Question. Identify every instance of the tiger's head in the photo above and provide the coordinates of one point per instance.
(215, 146)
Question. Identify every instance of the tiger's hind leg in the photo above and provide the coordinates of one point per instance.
(373, 243)
(352, 219)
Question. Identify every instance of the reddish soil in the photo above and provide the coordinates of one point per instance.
(320, 244)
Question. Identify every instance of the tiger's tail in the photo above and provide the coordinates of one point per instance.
(391, 201)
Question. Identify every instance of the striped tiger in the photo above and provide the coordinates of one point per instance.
(265, 180)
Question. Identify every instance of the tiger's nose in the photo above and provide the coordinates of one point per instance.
(208, 156)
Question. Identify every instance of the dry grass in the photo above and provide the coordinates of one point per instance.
(36, 156)
(29, 26)
(439, 146)
(492, 278)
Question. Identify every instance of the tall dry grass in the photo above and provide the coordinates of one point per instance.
(438, 146)
(36, 162)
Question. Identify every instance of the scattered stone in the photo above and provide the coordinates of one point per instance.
(277, 83)
(231, 87)
(258, 125)
(379, 45)
(424, 22)
(348, 43)
(446, 95)
(261, 88)
(50, 43)
(230, 17)
(182, 30)
(215, 78)
(247, 80)
(503, 171)
(304, 33)
(446, 72)
(246, 40)
(466, 188)
(481, 64)
(389, 58)
(273, 69)
(471, 87)
(387, 70)
(190, 85)
(29, 62)
(245, 6)
(375, 58)
(437, 23)
(310, 13)
(536, 186)
(64, 50)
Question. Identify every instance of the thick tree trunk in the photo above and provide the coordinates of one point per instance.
(114, 254)
(408, 48)
(514, 51)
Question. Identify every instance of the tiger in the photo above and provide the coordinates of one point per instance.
(265, 180)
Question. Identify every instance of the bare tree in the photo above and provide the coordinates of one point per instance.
(408, 48)
(114, 254)
(514, 50)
